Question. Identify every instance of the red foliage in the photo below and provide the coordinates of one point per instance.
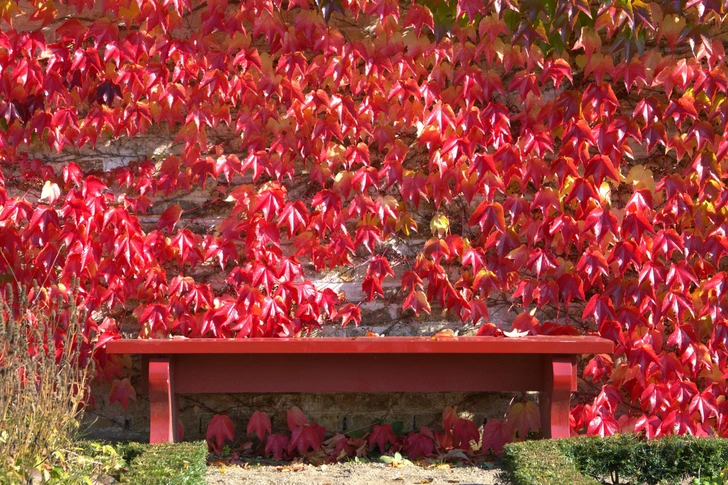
(296, 419)
(220, 428)
(276, 444)
(381, 436)
(121, 392)
(524, 417)
(460, 438)
(552, 171)
(459, 432)
(497, 433)
(259, 424)
(419, 444)
(303, 438)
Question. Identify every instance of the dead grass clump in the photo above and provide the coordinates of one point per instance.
(43, 383)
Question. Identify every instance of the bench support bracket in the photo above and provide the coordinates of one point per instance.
(555, 400)
(162, 401)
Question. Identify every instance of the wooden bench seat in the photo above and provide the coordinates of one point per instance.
(546, 364)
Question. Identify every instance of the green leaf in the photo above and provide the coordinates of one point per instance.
(512, 20)
(583, 20)
(555, 42)
(357, 433)
(549, 7)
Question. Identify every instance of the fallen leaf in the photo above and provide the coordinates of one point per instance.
(515, 333)
(246, 449)
(316, 459)
(296, 467)
(455, 455)
(447, 333)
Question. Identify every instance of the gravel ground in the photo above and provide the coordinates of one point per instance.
(349, 474)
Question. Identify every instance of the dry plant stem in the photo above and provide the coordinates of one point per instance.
(42, 386)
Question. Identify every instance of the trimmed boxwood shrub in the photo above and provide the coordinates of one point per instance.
(668, 459)
(616, 459)
(611, 457)
(541, 462)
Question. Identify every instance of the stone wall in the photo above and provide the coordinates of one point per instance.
(336, 412)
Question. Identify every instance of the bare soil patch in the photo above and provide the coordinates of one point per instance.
(350, 474)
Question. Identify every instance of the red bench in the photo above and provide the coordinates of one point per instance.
(366, 364)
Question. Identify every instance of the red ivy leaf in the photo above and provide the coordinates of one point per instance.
(295, 418)
(417, 301)
(277, 444)
(419, 444)
(524, 417)
(381, 435)
(496, 434)
(259, 424)
(121, 392)
(487, 216)
(306, 437)
(220, 428)
(169, 218)
(603, 426)
(464, 432)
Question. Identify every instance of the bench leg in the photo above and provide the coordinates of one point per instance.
(555, 400)
(162, 401)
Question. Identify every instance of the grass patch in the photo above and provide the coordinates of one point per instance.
(166, 464)
(130, 463)
(615, 460)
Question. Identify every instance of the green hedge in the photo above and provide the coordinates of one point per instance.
(668, 459)
(541, 462)
(616, 459)
(165, 464)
